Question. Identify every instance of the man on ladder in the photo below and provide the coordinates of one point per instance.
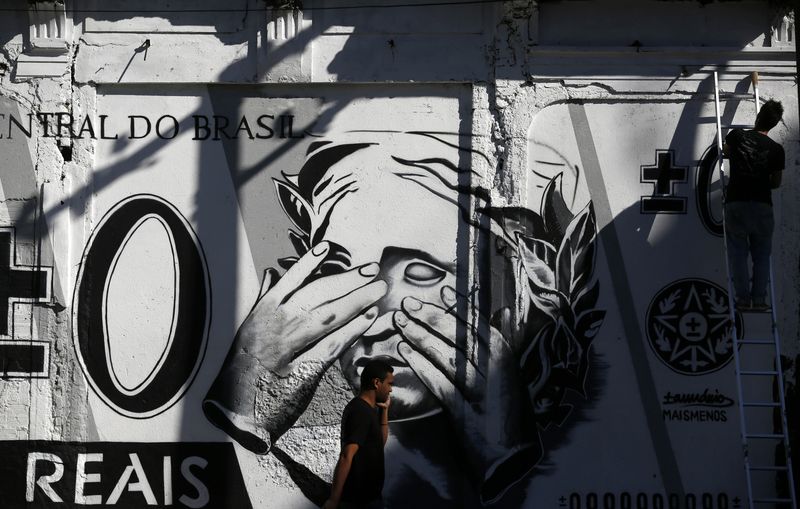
(756, 163)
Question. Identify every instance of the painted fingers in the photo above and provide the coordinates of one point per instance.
(292, 316)
(435, 349)
(326, 304)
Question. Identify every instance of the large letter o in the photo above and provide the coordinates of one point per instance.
(190, 320)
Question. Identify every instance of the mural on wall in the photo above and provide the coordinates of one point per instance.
(494, 380)
(572, 351)
(372, 242)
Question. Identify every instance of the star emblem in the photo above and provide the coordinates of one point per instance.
(689, 327)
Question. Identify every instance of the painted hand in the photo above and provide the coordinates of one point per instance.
(291, 324)
(474, 375)
(293, 334)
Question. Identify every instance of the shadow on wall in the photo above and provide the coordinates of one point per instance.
(520, 331)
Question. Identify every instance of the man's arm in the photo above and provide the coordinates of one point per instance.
(384, 419)
(731, 141)
(384, 424)
(775, 179)
(340, 474)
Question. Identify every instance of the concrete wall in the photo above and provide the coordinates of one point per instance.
(211, 219)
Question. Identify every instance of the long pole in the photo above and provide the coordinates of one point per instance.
(754, 77)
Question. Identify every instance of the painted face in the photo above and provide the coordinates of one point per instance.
(408, 273)
(413, 233)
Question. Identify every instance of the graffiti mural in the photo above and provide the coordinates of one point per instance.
(247, 250)
(658, 225)
(356, 291)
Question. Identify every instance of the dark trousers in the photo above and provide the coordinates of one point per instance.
(749, 228)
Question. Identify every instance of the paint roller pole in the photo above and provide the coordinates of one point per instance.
(720, 160)
(754, 77)
(796, 7)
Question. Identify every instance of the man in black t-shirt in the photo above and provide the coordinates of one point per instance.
(358, 477)
(757, 164)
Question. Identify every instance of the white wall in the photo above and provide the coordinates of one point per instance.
(498, 149)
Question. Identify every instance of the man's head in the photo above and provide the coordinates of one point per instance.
(395, 201)
(769, 115)
(377, 376)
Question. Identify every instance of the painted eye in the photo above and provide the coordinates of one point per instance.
(423, 274)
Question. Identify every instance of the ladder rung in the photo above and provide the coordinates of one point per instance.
(773, 467)
(737, 126)
(755, 342)
(760, 373)
(735, 95)
(763, 435)
(771, 500)
(771, 404)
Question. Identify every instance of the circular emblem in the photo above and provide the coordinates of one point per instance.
(689, 326)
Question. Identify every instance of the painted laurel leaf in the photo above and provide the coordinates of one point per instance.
(516, 221)
(575, 260)
(288, 262)
(566, 349)
(550, 303)
(534, 363)
(294, 205)
(543, 299)
(534, 255)
(587, 298)
(668, 302)
(299, 242)
(555, 212)
(589, 324)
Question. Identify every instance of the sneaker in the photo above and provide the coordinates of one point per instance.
(742, 305)
(760, 306)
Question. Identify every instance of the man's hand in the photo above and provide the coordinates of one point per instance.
(474, 375)
(293, 334)
(385, 405)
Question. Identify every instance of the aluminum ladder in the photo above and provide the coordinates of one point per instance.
(771, 442)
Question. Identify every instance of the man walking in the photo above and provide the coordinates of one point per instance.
(358, 477)
(757, 164)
